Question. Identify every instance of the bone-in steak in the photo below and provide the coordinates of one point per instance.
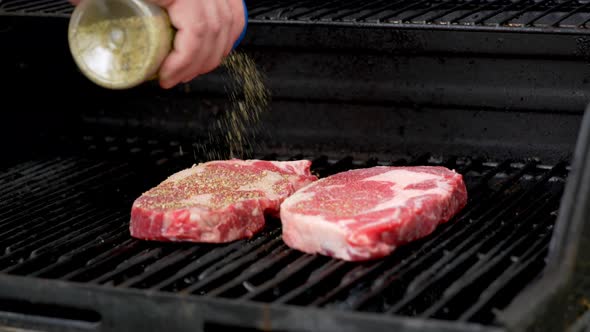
(218, 201)
(367, 213)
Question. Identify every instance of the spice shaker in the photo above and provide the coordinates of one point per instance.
(119, 44)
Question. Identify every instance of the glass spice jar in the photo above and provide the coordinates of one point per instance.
(119, 44)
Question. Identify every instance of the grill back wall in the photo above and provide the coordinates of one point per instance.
(363, 87)
(366, 88)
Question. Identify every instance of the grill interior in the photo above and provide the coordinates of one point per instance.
(492, 13)
(511, 13)
(348, 92)
(66, 217)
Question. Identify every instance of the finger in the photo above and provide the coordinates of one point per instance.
(239, 20)
(75, 2)
(177, 62)
(228, 11)
(219, 41)
(190, 34)
(209, 56)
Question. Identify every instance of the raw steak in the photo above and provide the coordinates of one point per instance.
(367, 213)
(218, 201)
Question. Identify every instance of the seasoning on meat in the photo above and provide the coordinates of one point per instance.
(218, 201)
(367, 213)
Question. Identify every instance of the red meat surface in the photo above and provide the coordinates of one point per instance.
(218, 201)
(367, 213)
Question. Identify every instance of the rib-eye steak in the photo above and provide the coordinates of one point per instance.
(217, 201)
(367, 213)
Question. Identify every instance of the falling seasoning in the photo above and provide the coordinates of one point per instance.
(235, 133)
(122, 53)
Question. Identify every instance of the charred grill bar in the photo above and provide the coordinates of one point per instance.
(495, 89)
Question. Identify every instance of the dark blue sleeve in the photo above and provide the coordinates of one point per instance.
(241, 37)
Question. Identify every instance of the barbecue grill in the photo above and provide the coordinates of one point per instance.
(495, 89)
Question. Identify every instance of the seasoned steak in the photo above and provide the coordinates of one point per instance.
(218, 201)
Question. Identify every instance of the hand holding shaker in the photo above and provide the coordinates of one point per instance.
(119, 44)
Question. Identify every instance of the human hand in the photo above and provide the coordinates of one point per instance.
(206, 32)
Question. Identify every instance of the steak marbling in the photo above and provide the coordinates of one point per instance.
(367, 213)
(218, 201)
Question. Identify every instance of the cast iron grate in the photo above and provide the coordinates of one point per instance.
(493, 13)
(66, 218)
(569, 14)
(48, 7)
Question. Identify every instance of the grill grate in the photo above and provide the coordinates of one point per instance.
(51, 7)
(564, 14)
(487, 13)
(67, 218)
